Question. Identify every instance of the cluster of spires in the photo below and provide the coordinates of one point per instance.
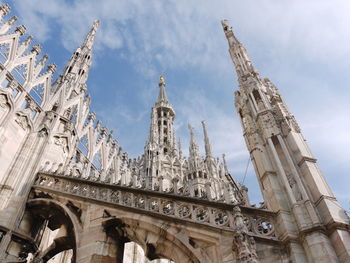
(80, 63)
(193, 148)
(82, 67)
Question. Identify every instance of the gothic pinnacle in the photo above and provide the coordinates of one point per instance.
(179, 148)
(228, 31)
(206, 141)
(89, 41)
(238, 53)
(193, 143)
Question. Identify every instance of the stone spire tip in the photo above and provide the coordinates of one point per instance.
(226, 25)
(91, 36)
(161, 80)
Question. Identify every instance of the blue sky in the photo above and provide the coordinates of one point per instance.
(302, 46)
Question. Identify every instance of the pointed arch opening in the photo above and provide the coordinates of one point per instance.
(53, 228)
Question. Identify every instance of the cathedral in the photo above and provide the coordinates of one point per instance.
(70, 194)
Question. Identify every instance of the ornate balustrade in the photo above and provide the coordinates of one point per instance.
(260, 223)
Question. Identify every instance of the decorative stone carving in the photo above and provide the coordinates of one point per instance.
(3, 101)
(22, 121)
(295, 188)
(62, 142)
(243, 243)
(213, 216)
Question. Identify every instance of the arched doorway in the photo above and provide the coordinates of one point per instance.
(53, 228)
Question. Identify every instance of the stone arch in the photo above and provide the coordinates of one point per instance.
(133, 252)
(57, 216)
(161, 241)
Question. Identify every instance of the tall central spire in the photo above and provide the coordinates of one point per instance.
(162, 134)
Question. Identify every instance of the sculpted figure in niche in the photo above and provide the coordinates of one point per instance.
(295, 188)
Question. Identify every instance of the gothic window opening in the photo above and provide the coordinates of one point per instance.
(196, 192)
(5, 83)
(256, 95)
(74, 114)
(4, 52)
(28, 105)
(20, 73)
(97, 160)
(165, 150)
(54, 107)
(14, 93)
(37, 93)
(83, 145)
(70, 69)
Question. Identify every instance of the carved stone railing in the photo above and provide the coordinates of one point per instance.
(259, 222)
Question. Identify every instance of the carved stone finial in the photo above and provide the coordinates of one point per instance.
(28, 40)
(36, 49)
(21, 29)
(103, 131)
(5, 9)
(98, 125)
(52, 68)
(92, 116)
(12, 20)
(110, 136)
(44, 59)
